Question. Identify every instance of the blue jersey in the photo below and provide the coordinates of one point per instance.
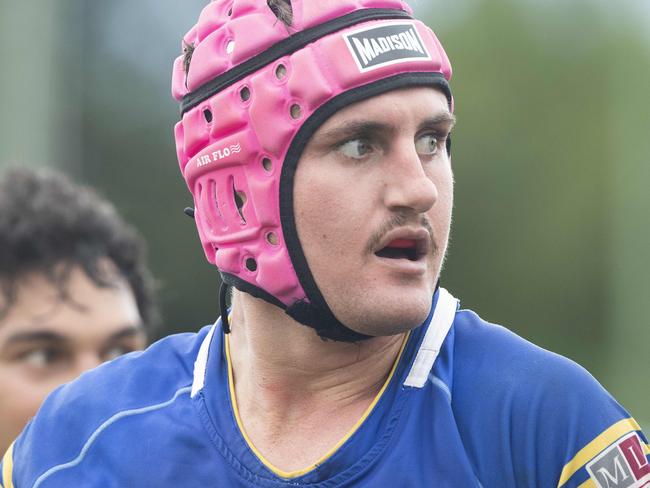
(467, 404)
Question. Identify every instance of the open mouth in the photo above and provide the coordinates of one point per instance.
(410, 249)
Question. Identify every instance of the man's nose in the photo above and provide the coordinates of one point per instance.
(408, 186)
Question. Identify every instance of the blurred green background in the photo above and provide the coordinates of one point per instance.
(551, 155)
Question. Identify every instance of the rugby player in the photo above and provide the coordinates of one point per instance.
(315, 141)
(74, 289)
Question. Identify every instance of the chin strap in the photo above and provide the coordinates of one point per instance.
(322, 320)
(317, 316)
(223, 292)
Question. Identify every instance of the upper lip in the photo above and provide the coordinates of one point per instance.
(419, 235)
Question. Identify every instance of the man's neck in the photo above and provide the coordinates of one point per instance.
(287, 379)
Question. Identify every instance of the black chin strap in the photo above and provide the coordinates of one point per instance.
(322, 319)
(223, 292)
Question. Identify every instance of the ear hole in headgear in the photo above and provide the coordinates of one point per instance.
(230, 47)
(251, 264)
(240, 200)
(295, 111)
(268, 164)
(207, 114)
(215, 199)
(245, 94)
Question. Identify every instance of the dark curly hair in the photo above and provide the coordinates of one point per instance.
(49, 224)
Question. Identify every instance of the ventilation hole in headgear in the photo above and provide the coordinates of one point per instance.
(198, 192)
(229, 11)
(207, 113)
(240, 200)
(296, 111)
(188, 51)
(251, 264)
(215, 199)
(230, 47)
(282, 10)
(267, 163)
(280, 71)
(245, 94)
(272, 238)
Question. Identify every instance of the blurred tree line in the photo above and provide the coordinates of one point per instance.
(550, 155)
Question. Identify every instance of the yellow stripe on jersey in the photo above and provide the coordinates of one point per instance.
(8, 468)
(592, 449)
(588, 484)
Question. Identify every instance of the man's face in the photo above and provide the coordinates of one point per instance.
(373, 199)
(46, 341)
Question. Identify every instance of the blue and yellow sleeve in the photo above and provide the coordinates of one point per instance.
(618, 457)
(548, 423)
(590, 439)
(583, 438)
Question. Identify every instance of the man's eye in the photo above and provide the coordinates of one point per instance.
(355, 149)
(41, 358)
(427, 145)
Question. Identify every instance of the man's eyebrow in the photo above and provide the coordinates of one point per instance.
(35, 336)
(355, 128)
(53, 337)
(438, 119)
(126, 333)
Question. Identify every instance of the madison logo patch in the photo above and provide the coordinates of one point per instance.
(622, 465)
(374, 47)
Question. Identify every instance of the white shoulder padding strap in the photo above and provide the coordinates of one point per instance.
(443, 317)
(201, 363)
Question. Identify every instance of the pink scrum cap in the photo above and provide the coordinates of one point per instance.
(253, 90)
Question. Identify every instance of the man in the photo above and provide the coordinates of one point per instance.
(315, 140)
(75, 291)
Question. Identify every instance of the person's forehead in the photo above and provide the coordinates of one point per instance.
(396, 106)
(87, 310)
